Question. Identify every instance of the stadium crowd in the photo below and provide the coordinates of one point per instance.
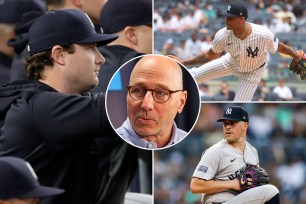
(276, 130)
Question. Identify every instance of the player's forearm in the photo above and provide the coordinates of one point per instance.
(284, 49)
(199, 59)
(209, 187)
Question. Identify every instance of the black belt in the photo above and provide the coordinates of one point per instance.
(262, 65)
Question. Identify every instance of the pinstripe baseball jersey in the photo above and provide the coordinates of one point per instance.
(224, 162)
(250, 53)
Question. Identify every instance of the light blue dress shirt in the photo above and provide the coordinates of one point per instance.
(126, 132)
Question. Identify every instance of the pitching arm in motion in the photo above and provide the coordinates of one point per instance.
(202, 58)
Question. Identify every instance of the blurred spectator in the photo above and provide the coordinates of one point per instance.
(284, 12)
(228, 94)
(158, 21)
(294, 181)
(204, 90)
(176, 21)
(282, 90)
(193, 44)
(198, 14)
(261, 91)
(11, 12)
(168, 47)
(206, 43)
(19, 44)
(189, 22)
(209, 12)
(182, 50)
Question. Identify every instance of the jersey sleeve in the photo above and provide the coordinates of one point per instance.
(271, 41)
(208, 165)
(218, 43)
(62, 118)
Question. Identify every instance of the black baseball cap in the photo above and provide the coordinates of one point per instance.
(11, 11)
(235, 113)
(117, 14)
(236, 9)
(18, 180)
(64, 27)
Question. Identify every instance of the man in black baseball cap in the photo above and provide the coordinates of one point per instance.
(18, 181)
(236, 9)
(11, 12)
(64, 27)
(51, 120)
(132, 21)
(235, 113)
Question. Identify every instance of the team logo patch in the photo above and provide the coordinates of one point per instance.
(202, 168)
(228, 111)
(252, 53)
(229, 8)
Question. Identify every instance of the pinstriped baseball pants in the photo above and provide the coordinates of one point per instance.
(225, 66)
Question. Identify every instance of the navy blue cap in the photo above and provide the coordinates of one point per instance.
(235, 113)
(18, 180)
(21, 29)
(64, 27)
(117, 14)
(236, 9)
(11, 11)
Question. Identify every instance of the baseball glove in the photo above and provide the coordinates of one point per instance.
(299, 67)
(257, 175)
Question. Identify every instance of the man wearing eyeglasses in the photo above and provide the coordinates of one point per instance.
(155, 97)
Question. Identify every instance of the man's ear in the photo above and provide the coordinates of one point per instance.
(58, 54)
(130, 34)
(182, 101)
(77, 3)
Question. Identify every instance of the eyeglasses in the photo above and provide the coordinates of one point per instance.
(159, 95)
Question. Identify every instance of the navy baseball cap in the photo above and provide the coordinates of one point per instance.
(64, 27)
(18, 180)
(235, 113)
(11, 11)
(236, 9)
(117, 14)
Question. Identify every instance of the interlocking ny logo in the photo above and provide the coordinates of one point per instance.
(251, 52)
(228, 111)
(229, 8)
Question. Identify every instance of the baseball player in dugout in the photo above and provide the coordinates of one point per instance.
(246, 45)
(51, 120)
(19, 184)
(229, 171)
(132, 21)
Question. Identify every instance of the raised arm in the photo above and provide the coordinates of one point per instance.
(198, 185)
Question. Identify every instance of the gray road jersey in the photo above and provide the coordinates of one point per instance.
(224, 162)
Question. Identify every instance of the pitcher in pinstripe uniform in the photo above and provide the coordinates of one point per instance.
(247, 46)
